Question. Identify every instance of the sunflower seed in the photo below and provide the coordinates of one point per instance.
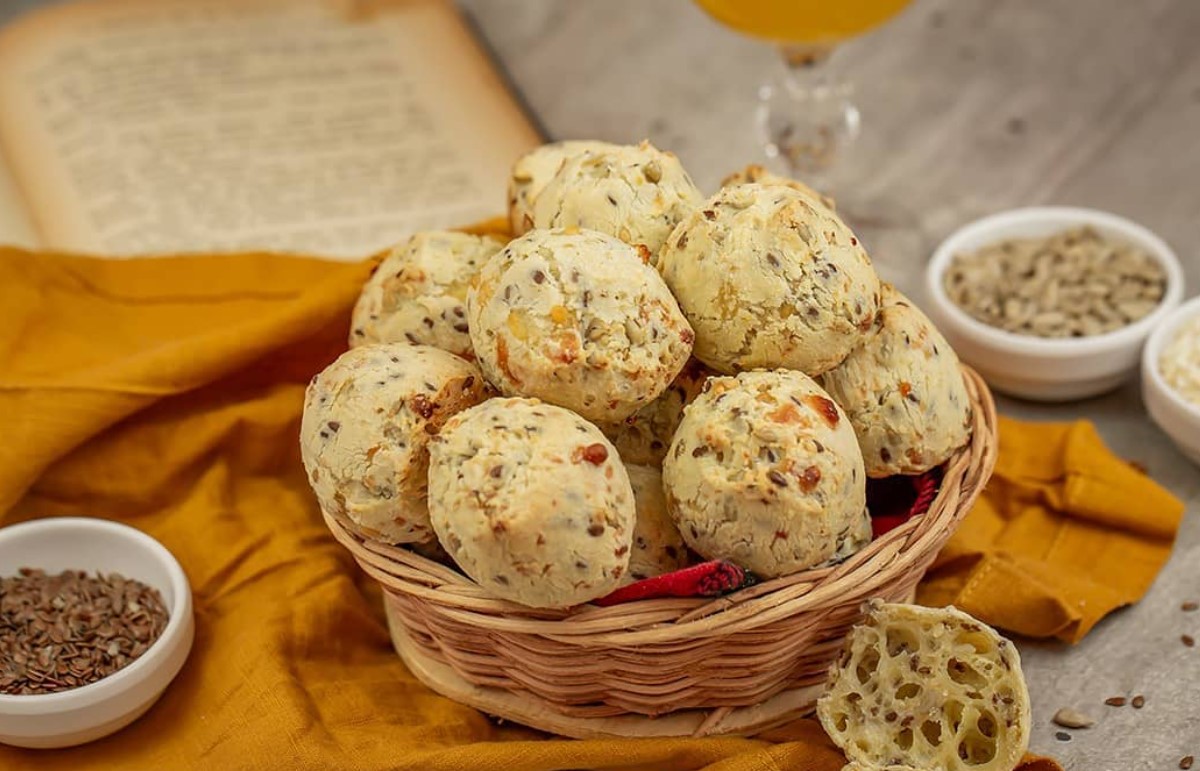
(1071, 284)
(1069, 718)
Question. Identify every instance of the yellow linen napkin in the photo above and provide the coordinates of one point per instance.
(166, 393)
(1063, 534)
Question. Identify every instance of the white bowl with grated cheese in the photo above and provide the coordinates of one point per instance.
(1171, 377)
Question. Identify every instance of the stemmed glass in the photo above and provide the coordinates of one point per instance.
(807, 117)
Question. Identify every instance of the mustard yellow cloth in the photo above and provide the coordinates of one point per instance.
(1064, 534)
(166, 393)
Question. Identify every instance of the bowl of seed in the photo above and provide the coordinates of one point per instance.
(1052, 303)
(95, 622)
(1171, 377)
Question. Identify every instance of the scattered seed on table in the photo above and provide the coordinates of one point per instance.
(1069, 718)
(1188, 640)
(1188, 607)
(1063, 736)
(1115, 701)
(1138, 702)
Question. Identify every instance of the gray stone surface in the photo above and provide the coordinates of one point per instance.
(970, 106)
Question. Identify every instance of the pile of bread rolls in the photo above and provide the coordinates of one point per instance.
(640, 377)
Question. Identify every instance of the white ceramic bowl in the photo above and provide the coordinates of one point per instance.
(1037, 368)
(1177, 417)
(83, 714)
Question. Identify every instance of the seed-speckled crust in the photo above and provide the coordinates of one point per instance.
(769, 277)
(533, 170)
(636, 193)
(756, 173)
(365, 431)
(657, 545)
(418, 293)
(532, 502)
(903, 391)
(576, 318)
(927, 688)
(644, 436)
(765, 472)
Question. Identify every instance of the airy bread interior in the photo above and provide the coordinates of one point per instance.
(932, 689)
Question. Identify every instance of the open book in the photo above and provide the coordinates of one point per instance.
(148, 126)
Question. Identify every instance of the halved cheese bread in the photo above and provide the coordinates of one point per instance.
(927, 688)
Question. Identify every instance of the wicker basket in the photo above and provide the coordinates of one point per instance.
(734, 665)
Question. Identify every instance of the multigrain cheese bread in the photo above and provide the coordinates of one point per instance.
(532, 502)
(755, 173)
(367, 421)
(764, 471)
(576, 318)
(769, 277)
(636, 193)
(643, 437)
(418, 294)
(533, 170)
(903, 391)
(657, 545)
(931, 689)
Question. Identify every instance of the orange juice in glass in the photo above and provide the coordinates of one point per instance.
(805, 117)
(803, 21)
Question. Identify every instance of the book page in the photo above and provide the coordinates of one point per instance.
(16, 226)
(151, 126)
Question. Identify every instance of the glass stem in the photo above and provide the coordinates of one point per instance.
(809, 117)
(804, 57)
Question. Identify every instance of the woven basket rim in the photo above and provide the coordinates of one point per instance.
(686, 621)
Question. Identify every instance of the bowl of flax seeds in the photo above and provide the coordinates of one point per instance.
(95, 622)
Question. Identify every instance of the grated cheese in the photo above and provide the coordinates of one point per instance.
(1180, 361)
